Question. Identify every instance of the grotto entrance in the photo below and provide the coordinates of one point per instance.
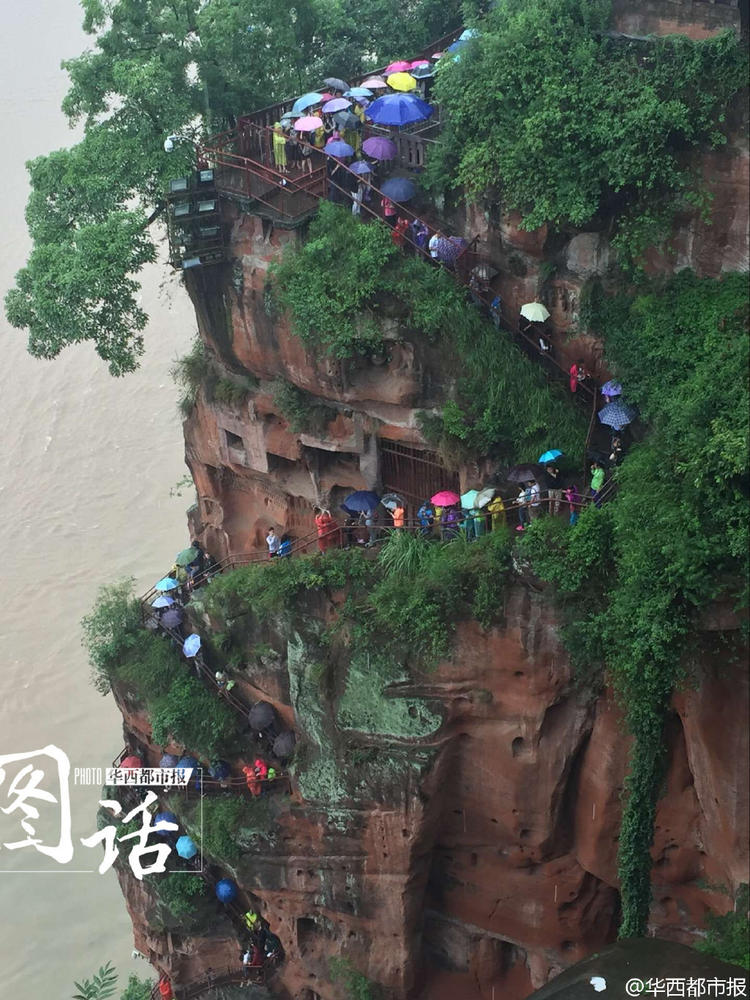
(414, 474)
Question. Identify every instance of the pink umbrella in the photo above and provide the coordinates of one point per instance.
(308, 124)
(374, 83)
(326, 96)
(337, 104)
(397, 67)
(131, 761)
(445, 498)
(437, 55)
(419, 62)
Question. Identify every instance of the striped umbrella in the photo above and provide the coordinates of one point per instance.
(618, 414)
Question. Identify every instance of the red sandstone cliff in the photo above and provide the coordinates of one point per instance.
(495, 866)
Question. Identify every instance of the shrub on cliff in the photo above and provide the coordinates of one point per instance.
(120, 649)
(111, 631)
(336, 287)
(676, 535)
(560, 119)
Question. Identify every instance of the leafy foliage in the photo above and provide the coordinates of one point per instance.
(225, 819)
(181, 893)
(99, 987)
(137, 989)
(301, 410)
(198, 369)
(559, 118)
(728, 936)
(110, 632)
(155, 69)
(674, 538)
(347, 280)
(179, 706)
(354, 982)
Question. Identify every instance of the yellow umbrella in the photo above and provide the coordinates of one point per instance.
(401, 81)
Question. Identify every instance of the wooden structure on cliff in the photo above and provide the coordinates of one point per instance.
(194, 221)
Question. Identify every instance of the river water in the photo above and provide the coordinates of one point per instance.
(86, 466)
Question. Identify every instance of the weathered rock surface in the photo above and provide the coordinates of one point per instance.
(488, 864)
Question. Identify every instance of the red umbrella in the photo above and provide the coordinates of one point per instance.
(131, 761)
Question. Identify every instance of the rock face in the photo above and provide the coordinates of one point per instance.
(487, 862)
(490, 864)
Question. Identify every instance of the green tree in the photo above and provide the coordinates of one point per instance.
(157, 68)
(635, 574)
(559, 119)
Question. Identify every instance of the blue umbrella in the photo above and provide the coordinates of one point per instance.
(611, 388)
(398, 109)
(617, 414)
(336, 147)
(165, 817)
(360, 167)
(168, 760)
(186, 848)
(308, 100)
(398, 189)
(192, 644)
(358, 92)
(219, 770)
(167, 583)
(162, 602)
(549, 456)
(187, 764)
(362, 500)
(467, 34)
(226, 890)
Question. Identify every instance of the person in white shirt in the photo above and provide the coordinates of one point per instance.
(273, 542)
(433, 246)
(535, 507)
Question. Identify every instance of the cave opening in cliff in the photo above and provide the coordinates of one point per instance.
(413, 473)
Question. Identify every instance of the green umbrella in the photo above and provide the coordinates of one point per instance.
(186, 556)
(469, 500)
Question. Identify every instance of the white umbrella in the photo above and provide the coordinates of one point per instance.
(535, 312)
(484, 496)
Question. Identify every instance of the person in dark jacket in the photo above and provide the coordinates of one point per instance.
(553, 482)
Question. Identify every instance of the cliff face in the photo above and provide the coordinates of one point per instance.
(476, 858)
(479, 855)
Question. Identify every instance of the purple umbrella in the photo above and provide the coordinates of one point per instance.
(379, 148)
(611, 389)
(337, 147)
(337, 104)
(448, 250)
(172, 618)
(168, 760)
(360, 167)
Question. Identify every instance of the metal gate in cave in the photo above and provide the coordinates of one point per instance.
(413, 474)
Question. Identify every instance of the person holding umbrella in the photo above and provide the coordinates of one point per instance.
(390, 212)
(524, 500)
(554, 487)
